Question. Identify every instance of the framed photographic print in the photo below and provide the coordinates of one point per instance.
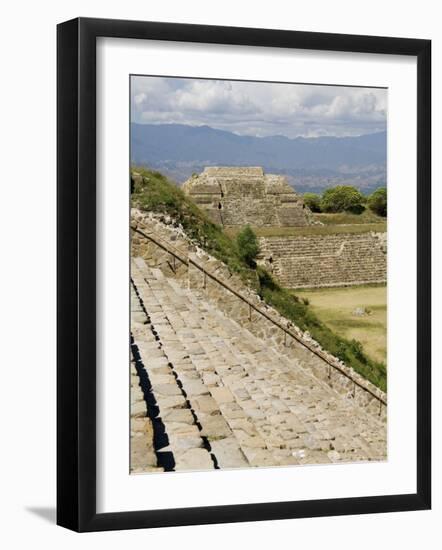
(243, 274)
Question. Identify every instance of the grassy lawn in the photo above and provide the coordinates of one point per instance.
(342, 222)
(335, 307)
(367, 217)
(312, 230)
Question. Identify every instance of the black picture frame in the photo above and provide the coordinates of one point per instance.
(76, 274)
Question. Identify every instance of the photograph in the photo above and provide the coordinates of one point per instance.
(258, 274)
(229, 331)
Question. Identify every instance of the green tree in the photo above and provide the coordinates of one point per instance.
(342, 198)
(248, 246)
(313, 201)
(377, 201)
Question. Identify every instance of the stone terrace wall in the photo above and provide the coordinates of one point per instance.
(239, 311)
(326, 260)
(234, 196)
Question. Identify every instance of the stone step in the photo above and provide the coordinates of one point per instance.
(184, 437)
(344, 259)
(181, 355)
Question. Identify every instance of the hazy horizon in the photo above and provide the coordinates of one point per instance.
(248, 135)
(259, 109)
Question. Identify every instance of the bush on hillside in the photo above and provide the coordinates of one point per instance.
(377, 201)
(313, 201)
(159, 194)
(343, 198)
(248, 246)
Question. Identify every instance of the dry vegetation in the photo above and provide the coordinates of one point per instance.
(335, 307)
(312, 230)
(332, 224)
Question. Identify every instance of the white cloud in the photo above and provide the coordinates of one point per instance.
(258, 108)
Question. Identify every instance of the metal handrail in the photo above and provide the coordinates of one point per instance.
(187, 261)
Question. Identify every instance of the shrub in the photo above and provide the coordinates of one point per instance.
(313, 201)
(158, 194)
(248, 246)
(342, 198)
(356, 209)
(266, 281)
(358, 350)
(377, 201)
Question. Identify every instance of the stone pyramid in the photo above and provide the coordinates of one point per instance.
(234, 196)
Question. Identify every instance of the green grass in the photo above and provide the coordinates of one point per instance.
(366, 217)
(160, 195)
(348, 349)
(343, 222)
(312, 230)
(335, 307)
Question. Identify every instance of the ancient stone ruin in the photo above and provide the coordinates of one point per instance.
(234, 196)
(312, 261)
(217, 383)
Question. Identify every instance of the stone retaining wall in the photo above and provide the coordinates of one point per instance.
(326, 260)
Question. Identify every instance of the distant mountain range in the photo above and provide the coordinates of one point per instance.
(310, 164)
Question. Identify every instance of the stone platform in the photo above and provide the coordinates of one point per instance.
(316, 261)
(233, 196)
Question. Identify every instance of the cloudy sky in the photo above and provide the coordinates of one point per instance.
(259, 108)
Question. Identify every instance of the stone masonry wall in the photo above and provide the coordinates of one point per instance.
(326, 260)
(233, 196)
(232, 306)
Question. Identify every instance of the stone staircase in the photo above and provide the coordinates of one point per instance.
(208, 394)
(326, 260)
(167, 247)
